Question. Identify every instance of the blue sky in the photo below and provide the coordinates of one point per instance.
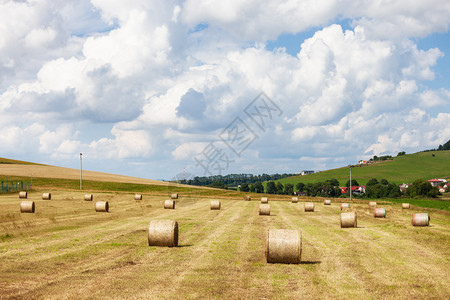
(442, 68)
(157, 88)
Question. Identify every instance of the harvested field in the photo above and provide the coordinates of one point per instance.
(45, 171)
(67, 250)
(45, 177)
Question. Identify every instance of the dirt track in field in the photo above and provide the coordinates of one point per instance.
(67, 250)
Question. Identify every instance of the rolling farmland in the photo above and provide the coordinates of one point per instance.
(67, 250)
(402, 169)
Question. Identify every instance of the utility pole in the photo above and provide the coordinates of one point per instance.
(81, 171)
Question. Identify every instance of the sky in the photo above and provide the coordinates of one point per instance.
(169, 89)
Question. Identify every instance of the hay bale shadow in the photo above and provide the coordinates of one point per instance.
(311, 262)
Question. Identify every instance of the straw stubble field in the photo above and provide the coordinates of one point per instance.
(67, 250)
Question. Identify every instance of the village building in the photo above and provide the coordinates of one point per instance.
(435, 182)
(404, 186)
(306, 172)
(355, 189)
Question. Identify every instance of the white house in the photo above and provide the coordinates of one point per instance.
(307, 172)
(404, 186)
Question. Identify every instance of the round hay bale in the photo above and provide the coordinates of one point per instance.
(174, 196)
(215, 205)
(27, 207)
(309, 206)
(372, 204)
(169, 204)
(327, 202)
(294, 199)
(102, 206)
(264, 200)
(284, 246)
(379, 212)
(163, 233)
(405, 206)
(23, 195)
(247, 198)
(88, 197)
(46, 196)
(137, 197)
(345, 205)
(420, 219)
(348, 219)
(264, 209)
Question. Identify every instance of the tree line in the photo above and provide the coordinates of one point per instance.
(384, 157)
(445, 146)
(330, 188)
(233, 180)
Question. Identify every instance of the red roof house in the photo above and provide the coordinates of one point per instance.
(355, 189)
(435, 182)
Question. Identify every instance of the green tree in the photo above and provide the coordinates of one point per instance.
(258, 187)
(382, 191)
(322, 189)
(252, 188)
(217, 184)
(384, 182)
(314, 189)
(333, 182)
(401, 153)
(271, 188)
(244, 187)
(300, 186)
(372, 181)
(288, 189)
(374, 190)
(422, 187)
(354, 183)
(330, 189)
(279, 187)
(446, 146)
(392, 191)
(308, 189)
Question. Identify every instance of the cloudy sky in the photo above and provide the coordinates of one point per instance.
(157, 88)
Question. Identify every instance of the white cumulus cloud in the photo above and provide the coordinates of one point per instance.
(153, 82)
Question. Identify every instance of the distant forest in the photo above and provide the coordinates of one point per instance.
(446, 146)
(233, 180)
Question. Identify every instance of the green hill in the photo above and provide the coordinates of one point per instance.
(402, 169)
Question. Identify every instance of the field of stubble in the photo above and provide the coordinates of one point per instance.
(67, 250)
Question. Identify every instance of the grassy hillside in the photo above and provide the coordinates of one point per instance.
(403, 169)
(13, 161)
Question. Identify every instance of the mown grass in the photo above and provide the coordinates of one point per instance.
(85, 254)
(420, 202)
(402, 169)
